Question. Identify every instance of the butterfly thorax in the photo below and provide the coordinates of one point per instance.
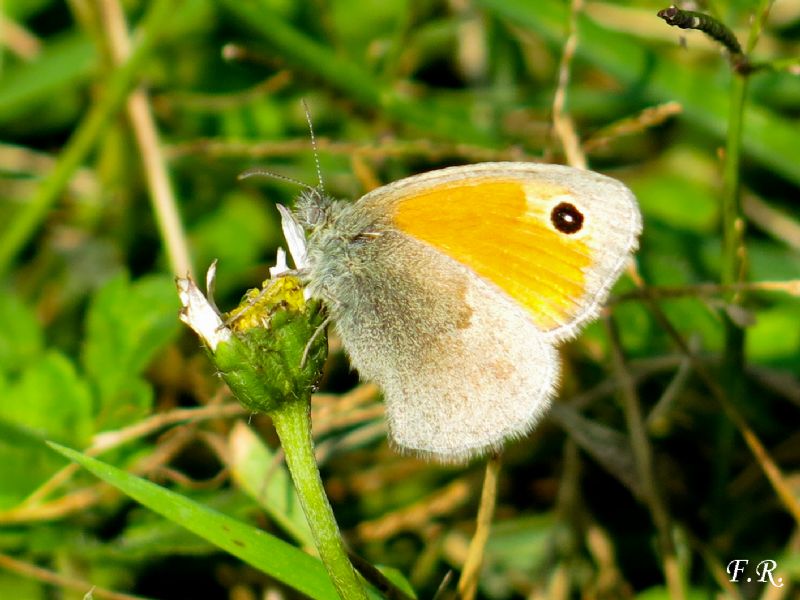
(336, 233)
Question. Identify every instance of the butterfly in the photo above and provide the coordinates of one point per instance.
(452, 289)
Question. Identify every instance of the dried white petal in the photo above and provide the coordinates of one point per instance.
(200, 315)
(295, 237)
(280, 264)
(211, 284)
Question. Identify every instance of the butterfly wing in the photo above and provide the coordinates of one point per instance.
(462, 366)
(553, 238)
(450, 288)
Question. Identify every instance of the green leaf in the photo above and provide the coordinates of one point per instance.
(47, 400)
(50, 398)
(266, 553)
(677, 201)
(25, 462)
(768, 262)
(62, 63)
(14, 586)
(127, 324)
(521, 545)
(775, 336)
(147, 535)
(20, 336)
(377, 19)
(19, 10)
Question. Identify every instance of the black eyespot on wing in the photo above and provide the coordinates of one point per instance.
(566, 218)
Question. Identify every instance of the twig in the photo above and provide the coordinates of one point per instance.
(220, 102)
(78, 501)
(468, 583)
(643, 459)
(658, 418)
(144, 129)
(442, 502)
(19, 40)
(386, 148)
(71, 583)
(651, 116)
(757, 26)
(562, 122)
(383, 584)
(707, 289)
(734, 266)
(772, 221)
(599, 543)
(715, 568)
(791, 65)
(773, 473)
(108, 440)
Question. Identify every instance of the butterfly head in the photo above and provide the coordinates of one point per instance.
(313, 209)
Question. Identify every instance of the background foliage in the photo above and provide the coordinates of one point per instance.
(92, 355)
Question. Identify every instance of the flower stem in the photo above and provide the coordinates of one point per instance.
(292, 421)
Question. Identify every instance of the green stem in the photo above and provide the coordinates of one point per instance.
(732, 272)
(733, 352)
(293, 423)
(30, 217)
(732, 220)
(733, 252)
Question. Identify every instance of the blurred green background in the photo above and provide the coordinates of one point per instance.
(92, 355)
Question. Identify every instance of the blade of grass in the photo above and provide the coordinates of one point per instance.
(266, 553)
(350, 78)
(26, 569)
(63, 63)
(30, 217)
(145, 131)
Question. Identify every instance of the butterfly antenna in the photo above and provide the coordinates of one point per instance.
(259, 172)
(314, 146)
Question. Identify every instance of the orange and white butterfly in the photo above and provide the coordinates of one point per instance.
(451, 289)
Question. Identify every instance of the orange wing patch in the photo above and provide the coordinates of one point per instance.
(489, 226)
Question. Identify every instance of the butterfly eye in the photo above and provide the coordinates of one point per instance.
(566, 218)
